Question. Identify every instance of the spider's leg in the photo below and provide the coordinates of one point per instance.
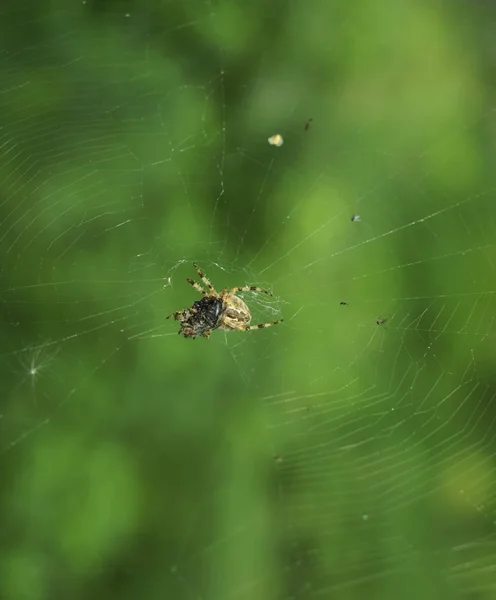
(262, 325)
(182, 315)
(197, 286)
(250, 288)
(179, 313)
(205, 280)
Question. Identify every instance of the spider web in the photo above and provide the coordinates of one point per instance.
(348, 452)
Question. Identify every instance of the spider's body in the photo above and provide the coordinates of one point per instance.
(202, 317)
(224, 311)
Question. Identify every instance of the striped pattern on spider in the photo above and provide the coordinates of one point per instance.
(224, 311)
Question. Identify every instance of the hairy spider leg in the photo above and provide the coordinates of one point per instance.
(182, 313)
(250, 288)
(262, 325)
(175, 315)
(197, 286)
(205, 280)
(179, 313)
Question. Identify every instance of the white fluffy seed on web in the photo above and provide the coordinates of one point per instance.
(276, 140)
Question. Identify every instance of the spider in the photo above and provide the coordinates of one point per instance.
(224, 311)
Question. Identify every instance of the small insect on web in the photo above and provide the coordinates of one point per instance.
(308, 124)
(224, 311)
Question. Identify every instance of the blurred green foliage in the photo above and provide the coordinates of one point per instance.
(329, 457)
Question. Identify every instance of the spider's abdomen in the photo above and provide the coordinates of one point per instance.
(236, 315)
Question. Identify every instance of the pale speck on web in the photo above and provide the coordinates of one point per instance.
(276, 140)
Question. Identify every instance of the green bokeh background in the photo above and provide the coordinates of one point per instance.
(329, 457)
